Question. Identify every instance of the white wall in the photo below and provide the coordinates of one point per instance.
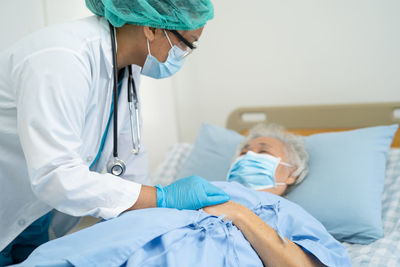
(159, 118)
(290, 52)
(63, 10)
(21, 17)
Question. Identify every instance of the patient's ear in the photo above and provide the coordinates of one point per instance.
(291, 180)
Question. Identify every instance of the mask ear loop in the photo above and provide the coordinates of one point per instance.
(148, 46)
(286, 165)
(169, 41)
(289, 166)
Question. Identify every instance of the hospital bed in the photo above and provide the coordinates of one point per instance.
(309, 120)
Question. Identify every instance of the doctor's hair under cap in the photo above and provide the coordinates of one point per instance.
(185, 15)
(296, 151)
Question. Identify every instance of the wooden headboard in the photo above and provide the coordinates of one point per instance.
(307, 120)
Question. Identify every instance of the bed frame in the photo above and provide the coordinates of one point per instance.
(307, 120)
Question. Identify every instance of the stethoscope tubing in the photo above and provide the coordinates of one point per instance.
(115, 91)
(133, 102)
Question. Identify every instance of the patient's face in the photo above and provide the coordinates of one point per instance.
(273, 147)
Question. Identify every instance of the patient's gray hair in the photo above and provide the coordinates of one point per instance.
(296, 151)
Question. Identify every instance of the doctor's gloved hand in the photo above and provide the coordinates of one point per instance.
(191, 193)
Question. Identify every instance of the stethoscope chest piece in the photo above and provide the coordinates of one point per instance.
(116, 167)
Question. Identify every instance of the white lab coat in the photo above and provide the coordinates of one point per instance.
(55, 100)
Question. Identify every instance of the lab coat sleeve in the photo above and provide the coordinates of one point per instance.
(53, 89)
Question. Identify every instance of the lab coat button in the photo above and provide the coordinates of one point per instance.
(89, 159)
(21, 222)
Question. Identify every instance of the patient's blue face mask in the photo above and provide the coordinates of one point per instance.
(256, 171)
(158, 70)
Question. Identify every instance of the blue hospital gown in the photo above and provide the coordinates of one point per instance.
(170, 237)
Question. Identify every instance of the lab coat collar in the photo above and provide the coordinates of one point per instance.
(107, 49)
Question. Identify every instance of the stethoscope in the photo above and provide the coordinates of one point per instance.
(117, 166)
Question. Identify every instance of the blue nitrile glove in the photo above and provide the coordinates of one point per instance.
(190, 193)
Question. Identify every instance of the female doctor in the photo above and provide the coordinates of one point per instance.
(69, 110)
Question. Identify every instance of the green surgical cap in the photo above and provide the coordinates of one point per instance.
(183, 15)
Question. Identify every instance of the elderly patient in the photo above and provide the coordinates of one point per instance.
(257, 227)
(278, 160)
(271, 160)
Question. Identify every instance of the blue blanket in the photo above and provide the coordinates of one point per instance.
(170, 237)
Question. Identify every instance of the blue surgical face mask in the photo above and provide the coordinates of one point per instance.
(256, 171)
(158, 70)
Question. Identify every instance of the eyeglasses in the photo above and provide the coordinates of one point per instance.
(184, 44)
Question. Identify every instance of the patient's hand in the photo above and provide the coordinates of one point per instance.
(231, 209)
